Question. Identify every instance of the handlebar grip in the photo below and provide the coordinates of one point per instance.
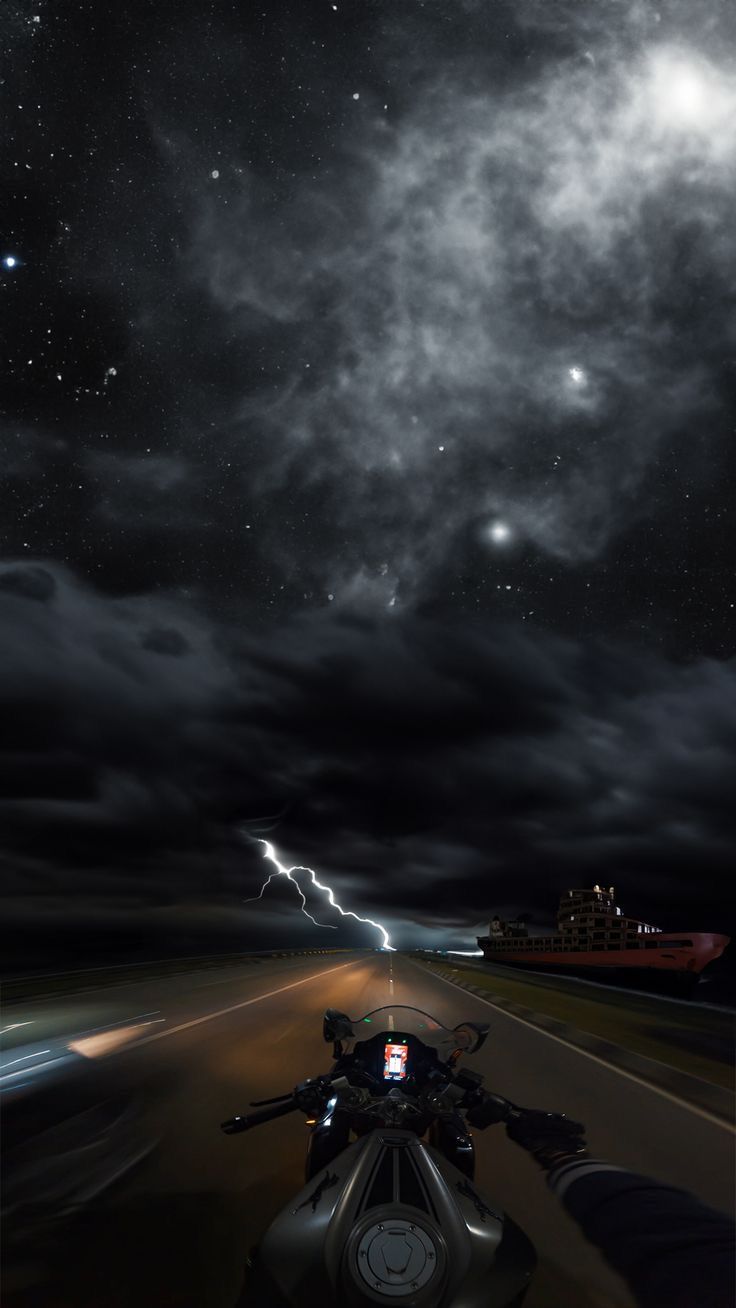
(489, 1110)
(237, 1124)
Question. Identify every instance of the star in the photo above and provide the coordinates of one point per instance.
(499, 532)
(10, 261)
(681, 93)
(577, 375)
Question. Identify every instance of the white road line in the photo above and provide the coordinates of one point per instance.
(24, 1059)
(630, 1076)
(208, 1017)
(23, 1071)
(390, 1021)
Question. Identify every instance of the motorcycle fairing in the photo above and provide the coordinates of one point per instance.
(442, 1226)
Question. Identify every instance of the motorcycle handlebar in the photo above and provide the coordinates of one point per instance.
(235, 1125)
(484, 1109)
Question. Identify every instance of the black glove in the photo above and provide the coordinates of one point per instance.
(312, 1094)
(486, 1109)
(548, 1136)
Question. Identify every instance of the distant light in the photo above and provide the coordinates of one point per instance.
(576, 375)
(680, 91)
(10, 261)
(356, 95)
(687, 95)
(499, 532)
(215, 173)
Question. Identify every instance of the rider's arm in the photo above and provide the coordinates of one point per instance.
(673, 1251)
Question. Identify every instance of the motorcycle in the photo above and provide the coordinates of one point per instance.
(390, 1212)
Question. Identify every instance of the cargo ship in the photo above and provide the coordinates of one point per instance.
(595, 939)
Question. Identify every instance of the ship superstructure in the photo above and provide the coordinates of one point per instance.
(593, 932)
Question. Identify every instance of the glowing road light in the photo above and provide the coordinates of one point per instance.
(96, 1046)
(270, 854)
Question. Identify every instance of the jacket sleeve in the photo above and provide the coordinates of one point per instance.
(673, 1251)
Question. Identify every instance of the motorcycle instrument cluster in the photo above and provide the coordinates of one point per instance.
(396, 1060)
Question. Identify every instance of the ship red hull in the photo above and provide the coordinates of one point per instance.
(662, 958)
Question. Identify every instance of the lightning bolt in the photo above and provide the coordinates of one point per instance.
(270, 853)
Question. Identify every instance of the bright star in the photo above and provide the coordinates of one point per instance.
(499, 532)
(681, 91)
(10, 261)
(577, 375)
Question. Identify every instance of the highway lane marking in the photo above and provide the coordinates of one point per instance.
(208, 1017)
(630, 1076)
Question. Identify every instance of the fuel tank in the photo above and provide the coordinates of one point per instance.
(392, 1221)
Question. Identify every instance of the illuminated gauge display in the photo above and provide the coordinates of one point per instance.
(395, 1058)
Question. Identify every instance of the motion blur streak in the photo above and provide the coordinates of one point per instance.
(270, 854)
(96, 1046)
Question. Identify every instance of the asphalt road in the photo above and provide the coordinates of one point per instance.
(174, 1231)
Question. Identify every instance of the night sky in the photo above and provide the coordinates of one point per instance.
(367, 426)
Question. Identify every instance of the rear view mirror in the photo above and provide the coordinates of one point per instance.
(471, 1035)
(336, 1026)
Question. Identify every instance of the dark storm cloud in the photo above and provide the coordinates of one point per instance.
(316, 305)
(28, 582)
(165, 640)
(432, 774)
